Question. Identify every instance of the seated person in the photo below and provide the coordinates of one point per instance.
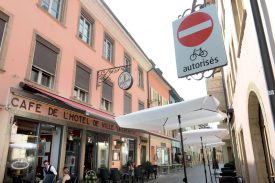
(66, 178)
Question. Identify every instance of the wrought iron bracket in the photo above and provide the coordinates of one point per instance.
(204, 74)
(103, 75)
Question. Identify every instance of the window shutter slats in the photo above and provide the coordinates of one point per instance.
(4, 17)
(2, 29)
(107, 91)
(82, 79)
(127, 103)
(45, 58)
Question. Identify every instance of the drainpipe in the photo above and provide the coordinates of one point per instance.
(148, 106)
(267, 66)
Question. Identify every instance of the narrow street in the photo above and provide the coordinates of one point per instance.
(195, 174)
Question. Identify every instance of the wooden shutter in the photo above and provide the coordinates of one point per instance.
(82, 79)
(107, 91)
(45, 55)
(3, 21)
(127, 103)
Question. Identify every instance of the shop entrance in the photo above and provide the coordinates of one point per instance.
(96, 151)
(30, 144)
(143, 154)
(260, 141)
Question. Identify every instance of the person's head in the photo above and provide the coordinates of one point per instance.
(66, 170)
(46, 163)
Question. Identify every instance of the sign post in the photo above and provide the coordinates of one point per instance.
(198, 42)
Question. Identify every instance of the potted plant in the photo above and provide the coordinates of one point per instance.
(90, 176)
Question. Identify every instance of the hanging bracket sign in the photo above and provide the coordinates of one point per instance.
(198, 42)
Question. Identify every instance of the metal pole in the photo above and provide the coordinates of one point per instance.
(203, 159)
(182, 151)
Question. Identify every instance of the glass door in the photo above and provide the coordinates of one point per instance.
(73, 151)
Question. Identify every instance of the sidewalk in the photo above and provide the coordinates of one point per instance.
(195, 174)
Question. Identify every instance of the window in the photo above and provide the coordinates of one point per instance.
(128, 62)
(164, 101)
(3, 23)
(54, 7)
(85, 30)
(154, 98)
(44, 62)
(127, 103)
(239, 18)
(82, 80)
(107, 96)
(140, 78)
(108, 48)
(140, 105)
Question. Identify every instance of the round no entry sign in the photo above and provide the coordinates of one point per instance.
(195, 29)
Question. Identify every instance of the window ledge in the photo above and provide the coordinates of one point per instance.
(86, 44)
(108, 112)
(80, 102)
(32, 83)
(111, 63)
(60, 22)
(2, 70)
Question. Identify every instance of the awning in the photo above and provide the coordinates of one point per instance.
(86, 110)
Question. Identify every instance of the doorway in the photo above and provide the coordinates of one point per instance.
(143, 154)
(260, 142)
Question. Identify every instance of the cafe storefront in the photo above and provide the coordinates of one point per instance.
(43, 127)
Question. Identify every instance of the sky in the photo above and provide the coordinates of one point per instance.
(150, 23)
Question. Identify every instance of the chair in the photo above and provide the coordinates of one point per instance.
(115, 175)
(73, 179)
(104, 175)
(228, 180)
(155, 170)
(138, 174)
(49, 178)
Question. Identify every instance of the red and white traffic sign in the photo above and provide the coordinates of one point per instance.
(198, 42)
(195, 29)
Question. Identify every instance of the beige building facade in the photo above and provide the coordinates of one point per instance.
(249, 97)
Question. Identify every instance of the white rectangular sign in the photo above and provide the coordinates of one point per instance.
(198, 42)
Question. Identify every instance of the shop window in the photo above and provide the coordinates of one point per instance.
(29, 147)
(140, 105)
(103, 150)
(85, 29)
(128, 62)
(127, 103)
(140, 78)
(82, 82)
(107, 97)
(108, 48)
(3, 24)
(44, 63)
(54, 7)
(162, 156)
(72, 159)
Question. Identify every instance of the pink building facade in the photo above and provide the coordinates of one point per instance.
(59, 67)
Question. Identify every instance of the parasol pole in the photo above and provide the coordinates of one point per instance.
(208, 164)
(203, 159)
(182, 151)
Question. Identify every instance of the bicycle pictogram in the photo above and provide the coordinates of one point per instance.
(198, 52)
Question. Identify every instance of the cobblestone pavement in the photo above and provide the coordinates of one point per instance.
(195, 174)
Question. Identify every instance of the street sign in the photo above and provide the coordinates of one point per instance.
(198, 42)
